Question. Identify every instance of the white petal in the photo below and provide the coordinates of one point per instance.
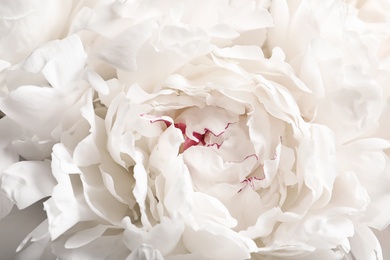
(351, 111)
(217, 242)
(87, 151)
(248, 17)
(244, 206)
(212, 209)
(365, 245)
(223, 31)
(26, 182)
(145, 252)
(8, 156)
(67, 206)
(32, 148)
(198, 120)
(178, 189)
(317, 154)
(278, 34)
(8, 132)
(207, 168)
(167, 148)
(117, 180)
(99, 198)
(309, 72)
(122, 51)
(29, 107)
(61, 62)
(266, 222)
(162, 237)
(349, 192)
(280, 103)
(24, 25)
(240, 52)
(165, 235)
(140, 189)
(165, 56)
(85, 236)
(363, 156)
(97, 82)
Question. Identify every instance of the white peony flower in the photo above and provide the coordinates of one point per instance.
(168, 130)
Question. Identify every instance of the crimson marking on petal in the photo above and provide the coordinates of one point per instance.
(251, 182)
(257, 158)
(182, 127)
(216, 144)
(158, 119)
(167, 123)
(200, 137)
(206, 130)
(188, 142)
(227, 126)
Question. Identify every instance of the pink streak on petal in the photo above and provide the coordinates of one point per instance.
(216, 144)
(251, 182)
(182, 127)
(257, 158)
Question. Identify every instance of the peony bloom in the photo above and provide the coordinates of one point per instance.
(168, 130)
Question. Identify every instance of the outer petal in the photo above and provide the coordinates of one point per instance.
(66, 207)
(217, 242)
(316, 162)
(61, 62)
(367, 159)
(122, 51)
(34, 106)
(24, 25)
(8, 132)
(162, 237)
(365, 245)
(26, 182)
(8, 156)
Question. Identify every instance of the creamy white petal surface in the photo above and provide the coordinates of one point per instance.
(197, 130)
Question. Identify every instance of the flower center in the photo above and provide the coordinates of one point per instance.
(221, 148)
